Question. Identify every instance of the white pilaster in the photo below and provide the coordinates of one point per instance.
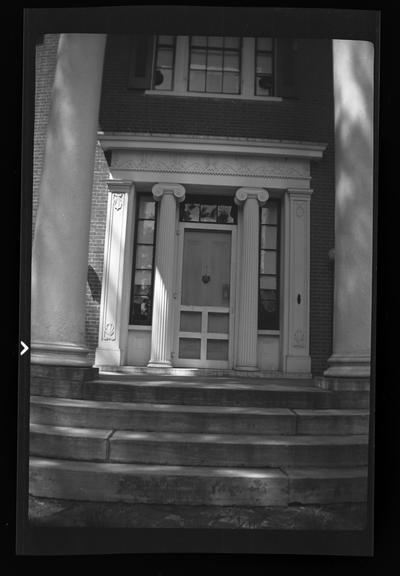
(251, 199)
(296, 338)
(354, 131)
(61, 240)
(111, 325)
(161, 334)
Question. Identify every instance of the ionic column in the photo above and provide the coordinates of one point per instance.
(112, 326)
(251, 199)
(161, 333)
(61, 240)
(353, 64)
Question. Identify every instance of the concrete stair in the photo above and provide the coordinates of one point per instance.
(200, 441)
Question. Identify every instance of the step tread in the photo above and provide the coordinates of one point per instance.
(331, 412)
(70, 431)
(284, 440)
(153, 406)
(206, 471)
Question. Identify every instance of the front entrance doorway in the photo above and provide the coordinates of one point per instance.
(205, 296)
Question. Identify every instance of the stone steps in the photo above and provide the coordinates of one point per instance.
(133, 483)
(205, 441)
(186, 418)
(183, 449)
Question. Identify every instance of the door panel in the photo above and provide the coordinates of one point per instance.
(204, 308)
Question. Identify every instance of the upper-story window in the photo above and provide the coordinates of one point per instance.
(215, 66)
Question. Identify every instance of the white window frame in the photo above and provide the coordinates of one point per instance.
(181, 69)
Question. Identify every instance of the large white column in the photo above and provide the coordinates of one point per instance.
(251, 199)
(296, 282)
(60, 246)
(113, 321)
(161, 332)
(353, 64)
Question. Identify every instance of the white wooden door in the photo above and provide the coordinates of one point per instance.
(205, 297)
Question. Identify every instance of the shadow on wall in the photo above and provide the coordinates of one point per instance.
(94, 284)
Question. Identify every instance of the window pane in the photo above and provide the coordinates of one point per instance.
(231, 83)
(147, 209)
(231, 62)
(225, 215)
(166, 75)
(264, 64)
(214, 82)
(264, 86)
(190, 322)
(166, 40)
(267, 283)
(269, 305)
(264, 44)
(217, 350)
(198, 60)
(145, 233)
(191, 212)
(218, 323)
(165, 57)
(268, 262)
(142, 278)
(197, 81)
(189, 348)
(144, 257)
(269, 214)
(232, 42)
(208, 213)
(214, 60)
(215, 41)
(199, 40)
(268, 237)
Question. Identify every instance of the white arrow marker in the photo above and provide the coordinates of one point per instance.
(25, 348)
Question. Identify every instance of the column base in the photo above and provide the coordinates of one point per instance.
(159, 364)
(348, 366)
(108, 357)
(298, 364)
(60, 354)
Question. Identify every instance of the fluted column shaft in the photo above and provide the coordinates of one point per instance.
(61, 240)
(251, 199)
(161, 335)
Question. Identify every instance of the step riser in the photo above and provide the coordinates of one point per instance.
(185, 454)
(163, 422)
(158, 421)
(53, 481)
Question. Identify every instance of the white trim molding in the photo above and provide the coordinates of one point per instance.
(113, 324)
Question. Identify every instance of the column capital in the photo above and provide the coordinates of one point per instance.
(117, 186)
(177, 190)
(243, 194)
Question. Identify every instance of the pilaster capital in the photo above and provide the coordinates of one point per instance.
(177, 190)
(117, 186)
(243, 194)
(305, 192)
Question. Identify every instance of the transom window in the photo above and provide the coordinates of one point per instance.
(268, 301)
(208, 209)
(143, 268)
(214, 64)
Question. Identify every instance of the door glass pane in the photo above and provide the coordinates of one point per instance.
(189, 348)
(208, 213)
(144, 257)
(218, 323)
(145, 234)
(190, 322)
(267, 282)
(268, 237)
(143, 278)
(206, 268)
(269, 215)
(217, 349)
(268, 262)
(147, 209)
